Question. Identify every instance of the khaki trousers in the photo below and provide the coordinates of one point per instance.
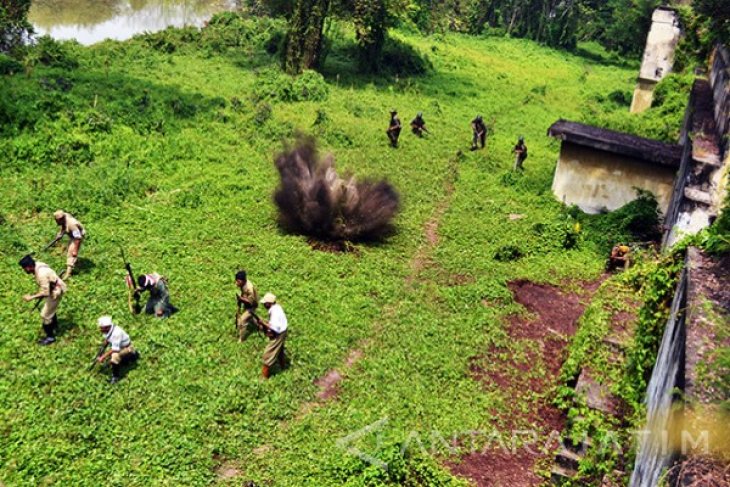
(118, 356)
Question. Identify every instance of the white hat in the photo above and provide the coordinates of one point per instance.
(268, 299)
(58, 214)
(105, 322)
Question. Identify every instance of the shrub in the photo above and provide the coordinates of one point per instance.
(9, 66)
(272, 84)
(50, 52)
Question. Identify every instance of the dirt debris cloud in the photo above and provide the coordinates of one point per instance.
(313, 200)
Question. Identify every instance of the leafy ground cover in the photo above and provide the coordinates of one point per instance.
(164, 144)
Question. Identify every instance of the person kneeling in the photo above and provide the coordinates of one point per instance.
(159, 300)
(276, 330)
(121, 350)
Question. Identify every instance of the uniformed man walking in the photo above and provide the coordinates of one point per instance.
(276, 329)
(394, 128)
(520, 151)
(479, 132)
(69, 226)
(159, 301)
(52, 289)
(249, 301)
(120, 350)
(418, 125)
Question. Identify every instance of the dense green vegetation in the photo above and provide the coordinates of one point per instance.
(164, 145)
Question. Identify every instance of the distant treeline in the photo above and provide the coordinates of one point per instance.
(619, 25)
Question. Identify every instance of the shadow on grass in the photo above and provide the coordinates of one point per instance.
(602, 57)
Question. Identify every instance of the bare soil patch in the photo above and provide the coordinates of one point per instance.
(528, 382)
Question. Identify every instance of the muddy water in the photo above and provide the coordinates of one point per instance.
(91, 21)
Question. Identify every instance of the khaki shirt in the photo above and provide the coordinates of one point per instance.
(44, 276)
(72, 227)
(248, 292)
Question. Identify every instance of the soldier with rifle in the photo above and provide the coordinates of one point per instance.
(479, 133)
(52, 289)
(120, 346)
(69, 226)
(276, 330)
(246, 302)
(418, 125)
(159, 301)
(394, 128)
(520, 151)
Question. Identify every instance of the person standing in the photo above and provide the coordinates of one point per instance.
(51, 288)
(479, 132)
(276, 329)
(72, 227)
(249, 301)
(120, 350)
(418, 125)
(520, 151)
(394, 128)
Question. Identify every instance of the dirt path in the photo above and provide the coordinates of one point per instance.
(526, 380)
(329, 382)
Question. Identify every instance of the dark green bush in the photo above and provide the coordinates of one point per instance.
(49, 52)
(637, 221)
(273, 84)
(399, 57)
(9, 66)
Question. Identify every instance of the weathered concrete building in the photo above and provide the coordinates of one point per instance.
(600, 169)
(658, 56)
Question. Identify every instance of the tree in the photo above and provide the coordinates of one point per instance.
(370, 17)
(718, 14)
(304, 39)
(14, 26)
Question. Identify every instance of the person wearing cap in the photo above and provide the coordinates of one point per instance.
(120, 350)
(69, 226)
(479, 132)
(394, 128)
(276, 329)
(159, 300)
(418, 125)
(51, 288)
(249, 301)
(520, 151)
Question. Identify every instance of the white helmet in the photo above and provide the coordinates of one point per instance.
(105, 322)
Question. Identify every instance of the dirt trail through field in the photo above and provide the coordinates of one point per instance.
(526, 381)
(329, 383)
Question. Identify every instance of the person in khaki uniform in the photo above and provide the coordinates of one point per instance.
(620, 257)
(52, 289)
(249, 301)
(276, 329)
(120, 350)
(69, 226)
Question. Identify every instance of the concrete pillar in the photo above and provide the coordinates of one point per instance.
(658, 56)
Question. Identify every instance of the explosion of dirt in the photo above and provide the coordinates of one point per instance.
(314, 200)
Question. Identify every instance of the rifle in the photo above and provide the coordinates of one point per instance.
(98, 354)
(53, 242)
(133, 308)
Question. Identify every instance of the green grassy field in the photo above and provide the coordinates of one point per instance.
(150, 151)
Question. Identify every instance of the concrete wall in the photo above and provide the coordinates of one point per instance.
(658, 56)
(596, 180)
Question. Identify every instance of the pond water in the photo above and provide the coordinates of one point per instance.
(90, 21)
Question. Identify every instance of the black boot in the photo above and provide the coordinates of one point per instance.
(50, 338)
(116, 377)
